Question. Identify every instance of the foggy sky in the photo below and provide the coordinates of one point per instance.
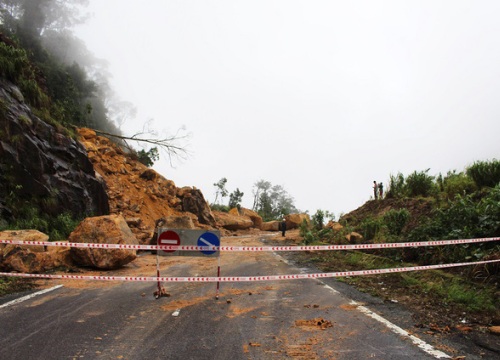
(321, 97)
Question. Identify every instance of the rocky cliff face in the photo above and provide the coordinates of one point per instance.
(41, 166)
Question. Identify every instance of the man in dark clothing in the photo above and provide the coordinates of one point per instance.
(283, 227)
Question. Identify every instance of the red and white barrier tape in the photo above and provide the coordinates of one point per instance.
(251, 248)
(247, 278)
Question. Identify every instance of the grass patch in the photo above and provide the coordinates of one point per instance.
(9, 285)
(431, 286)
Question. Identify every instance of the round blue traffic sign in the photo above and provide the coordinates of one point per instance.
(208, 239)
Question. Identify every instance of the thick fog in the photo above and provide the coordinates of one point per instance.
(321, 97)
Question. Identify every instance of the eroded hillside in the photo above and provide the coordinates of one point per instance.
(139, 193)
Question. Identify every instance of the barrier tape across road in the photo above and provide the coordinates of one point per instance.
(247, 278)
(251, 248)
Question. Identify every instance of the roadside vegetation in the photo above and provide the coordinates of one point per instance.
(421, 207)
(271, 202)
(9, 285)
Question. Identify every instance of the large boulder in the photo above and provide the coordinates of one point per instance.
(25, 235)
(256, 218)
(232, 222)
(194, 202)
(271, 226)
(293, 221)
(31, 259)
(179, 222)
(110, 229)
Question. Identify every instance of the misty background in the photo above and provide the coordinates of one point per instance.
(319, 97)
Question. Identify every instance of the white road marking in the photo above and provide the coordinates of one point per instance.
(429, 349)
(27, 297)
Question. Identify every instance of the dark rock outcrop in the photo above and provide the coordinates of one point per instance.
(41, 165)
(194, 202)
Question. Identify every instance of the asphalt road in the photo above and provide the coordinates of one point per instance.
(292, 319)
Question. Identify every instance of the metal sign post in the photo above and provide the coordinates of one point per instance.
(187, 237)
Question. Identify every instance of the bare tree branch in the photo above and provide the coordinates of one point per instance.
(166, 143)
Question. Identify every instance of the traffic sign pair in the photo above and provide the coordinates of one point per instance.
(188, 237)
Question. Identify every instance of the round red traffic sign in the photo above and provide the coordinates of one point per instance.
(169, 237)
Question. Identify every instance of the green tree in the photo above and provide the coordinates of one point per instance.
(318, 219)
(36, 17)
(272, 202)
(235, 198)
(485, 173)
(259, 187)
(149, 157)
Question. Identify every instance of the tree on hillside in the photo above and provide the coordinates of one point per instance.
(36, 17)
(68, 76)
(149, 157)
(259, 187)
(43, 29)
(221, 191)
(235, 198)
(272, 202)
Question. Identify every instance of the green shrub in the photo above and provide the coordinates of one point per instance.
(369, 228)
(463, 218)
(318, 219)
(485, 173)
(396, 220)
(396, 188)
(420, 184)
(309, 237)
(149, 157)
(30, 217)
(16, 67)
(62, 226)
(220, 207)
(304, 228)
(457, 184)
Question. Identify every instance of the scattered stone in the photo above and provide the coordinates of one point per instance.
(316, 323)
(354, 238)
(494, 330)
(463, 328)
(335, 226)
